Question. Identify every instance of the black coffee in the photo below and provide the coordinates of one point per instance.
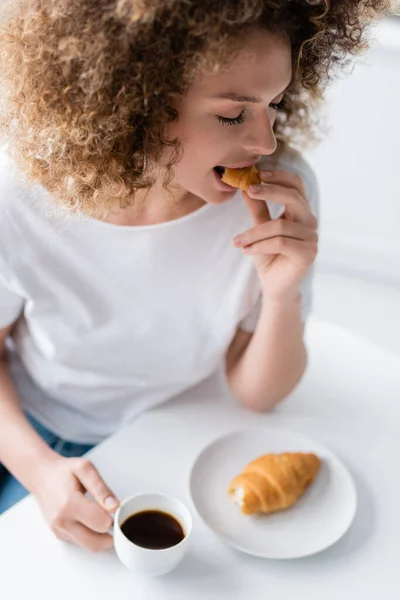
(153, 529)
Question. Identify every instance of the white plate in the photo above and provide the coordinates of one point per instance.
(321, 516)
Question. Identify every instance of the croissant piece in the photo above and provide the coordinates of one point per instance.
(273, 482)
(241, 178)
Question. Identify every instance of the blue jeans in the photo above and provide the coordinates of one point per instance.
(11, 491)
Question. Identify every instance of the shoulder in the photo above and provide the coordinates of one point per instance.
(21, 206)
(293, 161)
(9, 196)
(19, 198)
(12, 188)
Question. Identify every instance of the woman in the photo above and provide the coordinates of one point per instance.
(128, 269)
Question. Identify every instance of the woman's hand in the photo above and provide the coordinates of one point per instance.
(285, 248)
(72, 516)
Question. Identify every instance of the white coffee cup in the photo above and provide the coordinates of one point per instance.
(147, 561)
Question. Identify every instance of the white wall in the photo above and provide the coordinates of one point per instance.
(358, 165)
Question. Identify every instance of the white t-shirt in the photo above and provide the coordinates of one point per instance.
(113, 320)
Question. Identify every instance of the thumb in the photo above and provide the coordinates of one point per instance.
(91, 480)
(258, 209)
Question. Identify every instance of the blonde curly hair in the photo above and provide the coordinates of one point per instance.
(88, 86)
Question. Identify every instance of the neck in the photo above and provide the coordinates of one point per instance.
(156, 205)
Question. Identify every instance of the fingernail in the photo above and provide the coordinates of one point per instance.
(266, 173)
(238, 242)
(256, 189)
(110, 502)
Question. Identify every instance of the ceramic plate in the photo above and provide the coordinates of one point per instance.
(321, 516)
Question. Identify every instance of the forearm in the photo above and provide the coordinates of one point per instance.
(22, 451)
(275, 359)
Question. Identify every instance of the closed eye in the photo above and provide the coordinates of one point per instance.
(235, 121)
(240, 118)
(278, 105)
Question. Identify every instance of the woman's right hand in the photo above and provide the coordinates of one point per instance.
(60, 492)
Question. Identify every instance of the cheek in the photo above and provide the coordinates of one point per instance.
(201, 147)
(205, 143)
(193, 167)
(203, 132)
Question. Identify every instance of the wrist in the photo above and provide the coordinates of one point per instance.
(38, 467)
(285, 302)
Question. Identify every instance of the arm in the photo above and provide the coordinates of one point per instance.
(22, 451)
(264, 367)
(59, 484)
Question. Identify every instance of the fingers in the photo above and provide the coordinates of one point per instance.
(87, 539)
(90, 514)
(258, 210)
(299, 252)
(91, 480)
(278, 227)
(285, 179)
(70, 525)
(284, 188)
(289, 197)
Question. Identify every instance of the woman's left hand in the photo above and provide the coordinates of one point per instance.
(285, 248)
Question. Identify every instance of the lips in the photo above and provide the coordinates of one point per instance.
(242, 165)
(220, 169)
(218, 173)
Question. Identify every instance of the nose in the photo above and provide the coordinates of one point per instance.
(260, 137)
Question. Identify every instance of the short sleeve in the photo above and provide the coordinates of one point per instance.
(11, 304)
(11, 299)
(292, 161)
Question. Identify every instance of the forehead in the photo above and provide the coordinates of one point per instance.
(262, 65)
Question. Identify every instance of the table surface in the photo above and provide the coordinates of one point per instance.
(348, 400)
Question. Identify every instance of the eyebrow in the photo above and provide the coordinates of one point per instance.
(239, 98)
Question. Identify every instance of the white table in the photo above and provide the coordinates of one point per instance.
(349, 400)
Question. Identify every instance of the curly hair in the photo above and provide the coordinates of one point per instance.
(88, 86)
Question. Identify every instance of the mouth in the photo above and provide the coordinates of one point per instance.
(220, 170)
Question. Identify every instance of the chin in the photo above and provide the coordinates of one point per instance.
(219, 197)
(207, 190)
(215, 196)
(212, 195)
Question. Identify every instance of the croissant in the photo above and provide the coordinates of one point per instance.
(273, 482)
(241, 178)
